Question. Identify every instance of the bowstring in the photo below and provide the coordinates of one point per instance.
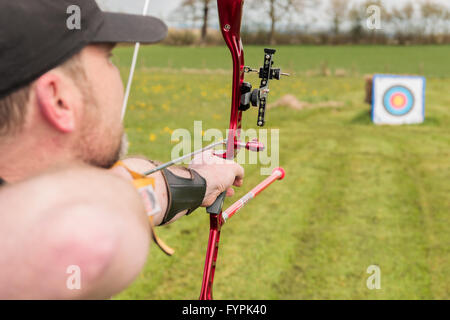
(133, 66)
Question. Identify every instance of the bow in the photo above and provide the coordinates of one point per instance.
(230, 18)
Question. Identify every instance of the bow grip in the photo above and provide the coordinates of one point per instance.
(216, 207)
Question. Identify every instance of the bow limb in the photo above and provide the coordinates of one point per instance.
(230, 18)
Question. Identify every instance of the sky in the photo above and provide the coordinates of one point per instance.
(158, 8)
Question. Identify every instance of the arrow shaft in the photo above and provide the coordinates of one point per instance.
(238, 205)
(182, 158)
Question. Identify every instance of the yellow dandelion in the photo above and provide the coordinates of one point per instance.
(152, 137)
(157, 89)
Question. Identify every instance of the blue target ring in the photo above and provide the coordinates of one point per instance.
(398, 100)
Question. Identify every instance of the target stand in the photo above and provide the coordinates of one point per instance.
(398, 99)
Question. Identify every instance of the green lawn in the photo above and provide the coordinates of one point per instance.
(355, 194)
(427, 60)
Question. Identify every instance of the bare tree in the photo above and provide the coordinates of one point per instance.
(276, 10)
(402, 19)
(184, 15)
(356, 17)
(434, 16)
(196, 10)
(339, 13)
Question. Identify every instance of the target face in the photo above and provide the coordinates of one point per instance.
(398, 99)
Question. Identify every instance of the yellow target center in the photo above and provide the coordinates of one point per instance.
(399, 101)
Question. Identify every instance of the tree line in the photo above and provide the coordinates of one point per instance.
(318, 22)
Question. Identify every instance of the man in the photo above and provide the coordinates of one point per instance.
(60, 130)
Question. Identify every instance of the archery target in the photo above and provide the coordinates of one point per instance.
(398, 99)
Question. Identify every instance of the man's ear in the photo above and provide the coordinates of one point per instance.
(54, 101)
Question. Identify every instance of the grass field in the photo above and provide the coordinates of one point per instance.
(355, 194)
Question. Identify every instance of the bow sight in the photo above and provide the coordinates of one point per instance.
(258, 97)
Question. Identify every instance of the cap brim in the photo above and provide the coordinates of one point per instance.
(120, 27)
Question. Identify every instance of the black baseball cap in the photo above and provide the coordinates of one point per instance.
(38, 35)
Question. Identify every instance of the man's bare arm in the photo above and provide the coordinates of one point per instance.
(80, 217)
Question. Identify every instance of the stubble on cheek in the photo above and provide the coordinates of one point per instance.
(100, 145)
(103, 141)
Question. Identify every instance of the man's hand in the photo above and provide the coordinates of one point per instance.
(220, 175)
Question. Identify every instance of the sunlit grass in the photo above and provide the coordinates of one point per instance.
(355, 194)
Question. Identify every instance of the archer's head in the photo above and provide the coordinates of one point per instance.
(60, 94)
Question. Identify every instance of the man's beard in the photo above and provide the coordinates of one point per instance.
(107, 161)
(106, 155)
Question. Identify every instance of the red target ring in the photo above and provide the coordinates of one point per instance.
(398, 100)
